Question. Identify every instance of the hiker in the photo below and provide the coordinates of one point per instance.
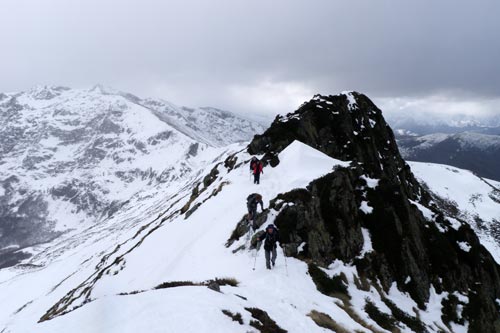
(252, 163)
(253, 200)
(257, 170)
(270, 237)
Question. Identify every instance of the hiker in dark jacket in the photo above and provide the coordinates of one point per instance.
(257, 170)
(253, 200)
(270, 238)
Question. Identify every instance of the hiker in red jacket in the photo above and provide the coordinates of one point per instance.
(252, 163)
(257, 170)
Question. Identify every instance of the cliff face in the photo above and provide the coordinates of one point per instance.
(414, 244)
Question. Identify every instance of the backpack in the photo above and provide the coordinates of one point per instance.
(252, 162)
(271, 239)
(251, 201)
(251, 197)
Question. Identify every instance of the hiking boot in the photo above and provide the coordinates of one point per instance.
(273, 263)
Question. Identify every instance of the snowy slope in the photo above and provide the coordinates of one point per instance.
(93, 285)
(174, 231)
(70, 158)
(181, 249)
(477, 199)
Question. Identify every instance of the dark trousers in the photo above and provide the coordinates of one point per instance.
(256, 178)
(270, 256)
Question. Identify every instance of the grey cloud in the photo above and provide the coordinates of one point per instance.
(209, 52)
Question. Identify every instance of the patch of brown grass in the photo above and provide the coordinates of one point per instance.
(323, 320)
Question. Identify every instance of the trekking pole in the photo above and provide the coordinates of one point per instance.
(286, 266)
(255, 258)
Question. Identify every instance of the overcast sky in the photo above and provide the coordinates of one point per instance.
(260, 56)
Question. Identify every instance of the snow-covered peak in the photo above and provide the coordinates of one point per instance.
(104, 90)
(208, 125)
(71, 157)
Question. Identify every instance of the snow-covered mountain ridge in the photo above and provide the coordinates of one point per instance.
(467, 150)
(73, 157)
(424, 123)
(367, 248)
(465, 139)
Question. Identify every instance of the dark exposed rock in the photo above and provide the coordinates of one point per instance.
(234, 316)
(325, 219)
(230, 162)
(263, 322)
(211, 177)
(107, 126)
(192, 209)
(351, 133)
(382, 319)
(193, 149)
(213, 285)
(325, 284)
(154, 140)
(244, 226)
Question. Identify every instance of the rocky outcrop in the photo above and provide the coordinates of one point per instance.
(414, 244)
(348, 127)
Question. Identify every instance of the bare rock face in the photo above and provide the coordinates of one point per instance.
(377, 195)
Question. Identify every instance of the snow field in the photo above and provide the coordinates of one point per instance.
(193, 249)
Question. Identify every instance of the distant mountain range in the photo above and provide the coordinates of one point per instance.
(423, 124)
(71, 158)
(477, 152)
(463, 141)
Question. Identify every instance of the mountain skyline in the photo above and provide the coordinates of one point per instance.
(421, 123)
